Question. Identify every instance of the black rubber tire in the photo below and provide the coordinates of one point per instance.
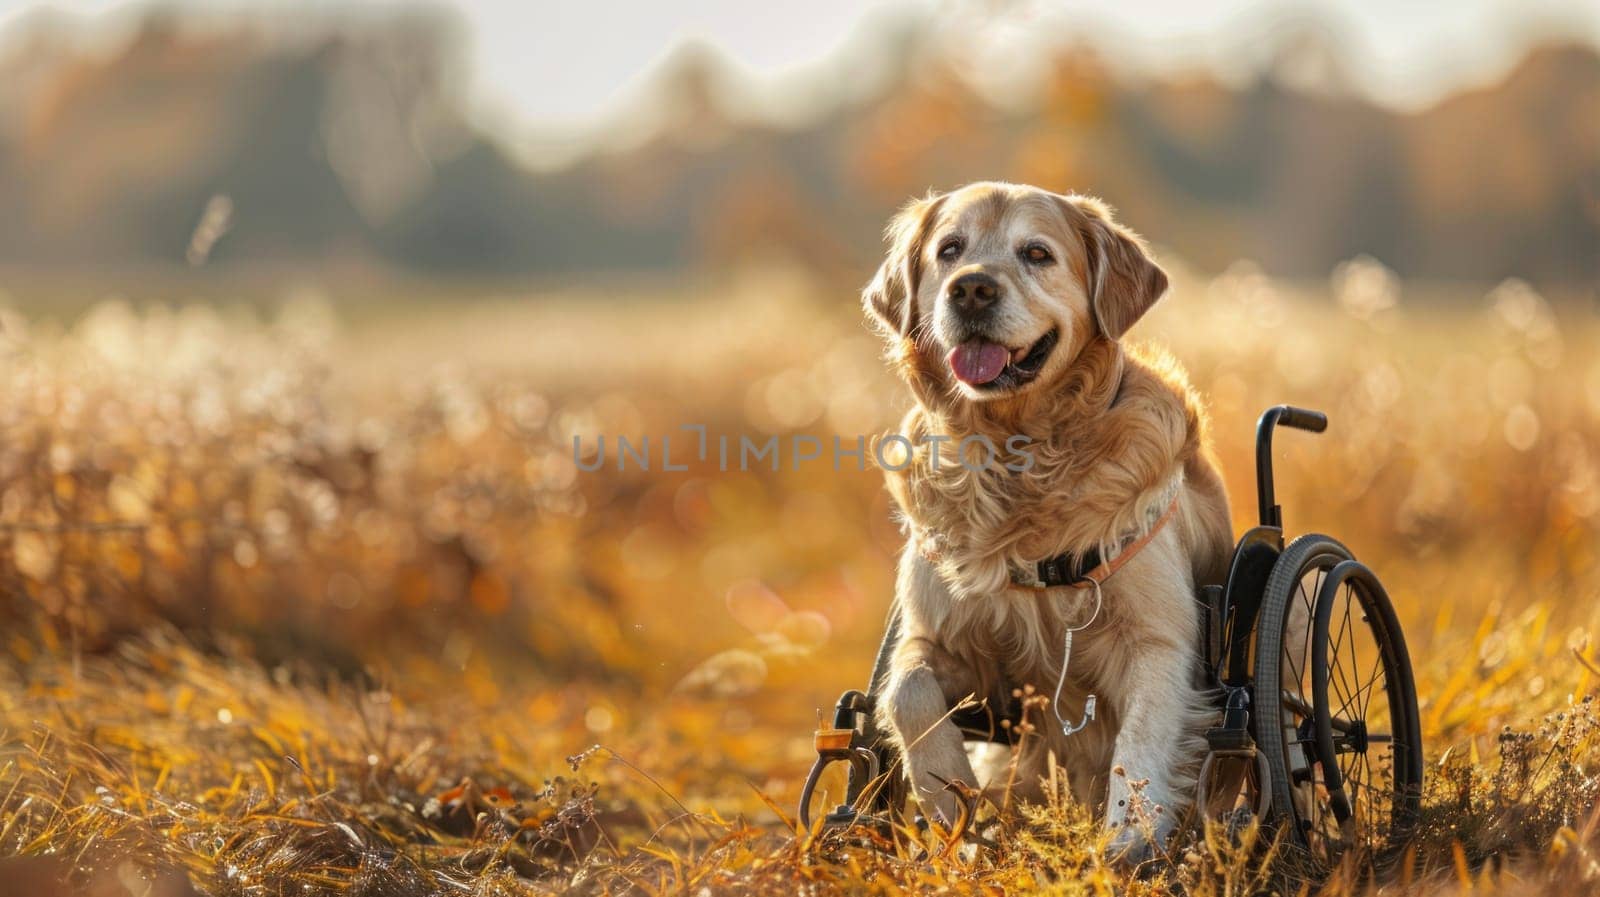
(1305, 554)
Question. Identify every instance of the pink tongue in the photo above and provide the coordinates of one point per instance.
(977, 362)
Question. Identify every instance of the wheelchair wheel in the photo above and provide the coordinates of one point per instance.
(1342, 739)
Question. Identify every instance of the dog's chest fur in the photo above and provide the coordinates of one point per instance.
(1094, 480)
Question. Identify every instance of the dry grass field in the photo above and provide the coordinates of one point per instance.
(298, 602)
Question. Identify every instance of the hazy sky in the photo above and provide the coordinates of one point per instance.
(559, 66)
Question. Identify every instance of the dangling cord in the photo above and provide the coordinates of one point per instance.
(1066, 657)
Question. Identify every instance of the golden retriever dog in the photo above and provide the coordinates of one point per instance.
(1004, 307)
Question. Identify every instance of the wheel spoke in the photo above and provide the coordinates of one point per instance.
(1377, 668)
(1347, 692)
(1298, 664)
(1338, 680)
(1379, 674)
(1348, 703)
(1338, 644)
(1363, 696)
(1311, 615)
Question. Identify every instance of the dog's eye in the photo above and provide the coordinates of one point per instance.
(1037, 254)
(950, 249)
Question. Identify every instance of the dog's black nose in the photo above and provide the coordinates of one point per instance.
(974, 292)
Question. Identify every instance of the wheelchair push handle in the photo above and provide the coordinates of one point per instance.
(1298, 418)
(1288, 416)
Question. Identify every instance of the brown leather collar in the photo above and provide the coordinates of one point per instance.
(1066, 570)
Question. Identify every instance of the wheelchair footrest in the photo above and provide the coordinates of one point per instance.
(848, 740)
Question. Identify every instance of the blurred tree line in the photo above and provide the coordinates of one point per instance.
(352, 147)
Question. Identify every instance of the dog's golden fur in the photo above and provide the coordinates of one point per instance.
(1115, 434)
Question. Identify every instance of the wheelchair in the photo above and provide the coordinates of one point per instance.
(1317, 733)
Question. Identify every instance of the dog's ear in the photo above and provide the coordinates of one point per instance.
(1123, 282)
(890, 299)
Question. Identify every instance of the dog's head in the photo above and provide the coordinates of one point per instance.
(995, 288)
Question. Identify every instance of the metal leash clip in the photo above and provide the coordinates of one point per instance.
(1067, 728)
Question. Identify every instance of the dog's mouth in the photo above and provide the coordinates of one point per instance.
(991, 366)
